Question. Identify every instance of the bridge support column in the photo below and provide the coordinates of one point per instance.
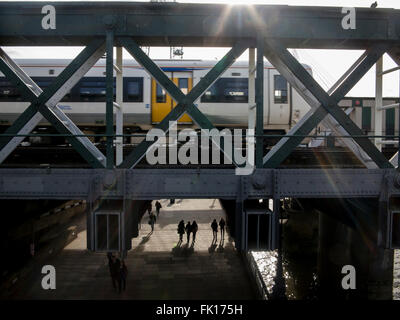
(333, 254)
(341, 244)
(239, 225)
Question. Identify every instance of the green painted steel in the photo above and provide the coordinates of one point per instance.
(185, 103)
(389, 122)
(329, 103)
(366, 118)
(170, 24)
(110, 98)
(166, 24)
(260, 102)
(152, 68)
(38, 103)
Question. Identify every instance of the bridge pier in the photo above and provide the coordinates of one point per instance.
(353, 243)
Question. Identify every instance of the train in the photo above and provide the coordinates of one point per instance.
(146, 103)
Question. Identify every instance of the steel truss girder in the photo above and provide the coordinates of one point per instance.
(329, 121)
(158, 24)
(395, 55)
(44, 103)
(185, 103)
(321, 102)
(152, 184)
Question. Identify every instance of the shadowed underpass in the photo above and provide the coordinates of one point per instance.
(158, 268)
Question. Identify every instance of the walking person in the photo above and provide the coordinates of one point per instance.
(158, 207)
(114, 270)
(123, 273)
(181, 230)
(222, 228)
(194, 230)
(110, 257)
(152, 221)
(149, 208)
(188, 230)
(214, 227)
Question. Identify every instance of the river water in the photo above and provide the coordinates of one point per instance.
(300, 277)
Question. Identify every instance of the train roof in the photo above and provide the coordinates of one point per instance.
(132, 62)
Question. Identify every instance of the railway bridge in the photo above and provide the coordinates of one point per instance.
(114, 181)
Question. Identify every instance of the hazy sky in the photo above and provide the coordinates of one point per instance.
(325, 73)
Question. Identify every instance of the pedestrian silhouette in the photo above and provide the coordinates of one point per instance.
(152, 221)
(110, 265)
(149, 207)
(194, 230)
(123, 273)
(114, 271)
(214, 227)
(222, 228)
(188, 230)
(181, 230)
(158, 207)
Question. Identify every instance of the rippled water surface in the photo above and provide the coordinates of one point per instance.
(396, 275)
(299, 280)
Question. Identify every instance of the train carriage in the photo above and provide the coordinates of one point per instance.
(146, 103)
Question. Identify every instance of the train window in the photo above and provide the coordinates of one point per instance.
(227, 90)
(280, 89)
(183, 84)
(93, 89)
(133, 89)
(44, 82)
(8, 92)
(210, 95)
(161, 95)
(90, 91)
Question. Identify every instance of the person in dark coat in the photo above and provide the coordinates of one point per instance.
(181, 230)
(110, 263)
(152, 221)
(222, 227)
(214, 227)
(194, 229)
(158, 207)
(188, 230)
(123, 273)
(115, 266)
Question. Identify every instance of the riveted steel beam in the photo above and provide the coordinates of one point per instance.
(185, 103)
(328, 104)
(149, 184)
(184, 24)
(44, 103)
